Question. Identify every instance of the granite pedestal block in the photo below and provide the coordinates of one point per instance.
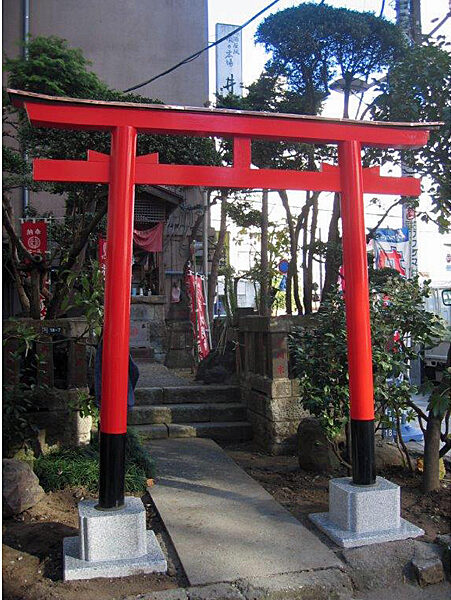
(112, 543)
(361, 515)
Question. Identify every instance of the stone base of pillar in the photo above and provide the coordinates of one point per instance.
(363, 515)
(112, 543)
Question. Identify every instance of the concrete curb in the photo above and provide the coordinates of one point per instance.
(328, 584)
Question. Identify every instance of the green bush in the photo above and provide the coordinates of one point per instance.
(320, 359)
(79, 467)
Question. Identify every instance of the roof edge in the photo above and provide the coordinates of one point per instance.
(19, 97)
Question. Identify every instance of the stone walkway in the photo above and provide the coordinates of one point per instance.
(223, 524)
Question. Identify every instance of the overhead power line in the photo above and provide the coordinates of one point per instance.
(197, 54)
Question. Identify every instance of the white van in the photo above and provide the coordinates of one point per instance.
(439, 303)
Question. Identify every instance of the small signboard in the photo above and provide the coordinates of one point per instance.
(229, 71)
(284, 265)
(34, 236)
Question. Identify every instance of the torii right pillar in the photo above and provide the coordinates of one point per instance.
(365, 509)
(355, 267)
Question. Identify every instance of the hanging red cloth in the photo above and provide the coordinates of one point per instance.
(150, 239)
(195, 293)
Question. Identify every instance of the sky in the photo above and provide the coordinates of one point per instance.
(433, 247)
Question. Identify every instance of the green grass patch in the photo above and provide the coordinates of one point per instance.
(79, 467)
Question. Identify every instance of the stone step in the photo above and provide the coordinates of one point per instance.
(237, 431)
(186, 413)
(190, 394)
(143, 354)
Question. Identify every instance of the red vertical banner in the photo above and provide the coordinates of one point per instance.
(34, 236)
(194, 290)
(102, 254)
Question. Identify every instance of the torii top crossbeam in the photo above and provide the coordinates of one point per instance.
(122, 169)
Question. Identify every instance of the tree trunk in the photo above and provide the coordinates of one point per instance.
(308, 279)
(306, 276)
(331, 264)
(431, 479)
(288, 291)
(35, 308)
(264, 283)
(292, 277)
(213, 279)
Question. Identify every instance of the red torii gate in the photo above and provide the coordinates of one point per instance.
(122, 169)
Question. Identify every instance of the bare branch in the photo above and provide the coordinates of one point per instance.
(372, 231)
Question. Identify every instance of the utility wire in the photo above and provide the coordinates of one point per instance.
(197, 54)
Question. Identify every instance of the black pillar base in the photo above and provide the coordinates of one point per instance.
(112, 470)
(363, 452)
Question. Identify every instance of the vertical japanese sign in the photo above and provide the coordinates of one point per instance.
(392, 249)
(229, 76)
(34, 236)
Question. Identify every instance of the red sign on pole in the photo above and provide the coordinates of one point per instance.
(34, 236)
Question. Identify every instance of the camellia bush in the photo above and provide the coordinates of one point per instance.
(399, 326)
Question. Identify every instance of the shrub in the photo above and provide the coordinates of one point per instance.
(320, 361)
(79, 467)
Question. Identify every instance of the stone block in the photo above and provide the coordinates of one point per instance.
(286, 409)
(77, 374)
(112, 543)
(148, 396)
(75, 568)
(152, 432)
(179, 358)
(379, 566)
(181, 430)
(313, 449)
(227, 412)
(282, 431)
(428, 571)
(281, 388)
(139, 334)
(20, 489)
(112, 535)
(364, 509)
(142, 415)
(362, 515)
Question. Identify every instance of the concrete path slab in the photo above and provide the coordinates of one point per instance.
(223, 524)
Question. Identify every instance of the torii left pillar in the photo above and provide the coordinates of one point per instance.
(113, 412)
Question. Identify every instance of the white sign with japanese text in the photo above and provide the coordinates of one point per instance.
(229, 77)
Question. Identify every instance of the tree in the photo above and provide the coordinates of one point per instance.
(311, 45)
(54, 68)
(418, 88)
(268, 94)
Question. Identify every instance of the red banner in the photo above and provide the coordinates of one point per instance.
(150, 239)
(102, 254)
(34, 236)
(198, 319)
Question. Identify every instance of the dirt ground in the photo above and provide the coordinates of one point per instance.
(32, 542)
(33, 562)
(303, 492)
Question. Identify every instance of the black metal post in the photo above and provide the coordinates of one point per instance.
(363, 452)
(112, 470)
